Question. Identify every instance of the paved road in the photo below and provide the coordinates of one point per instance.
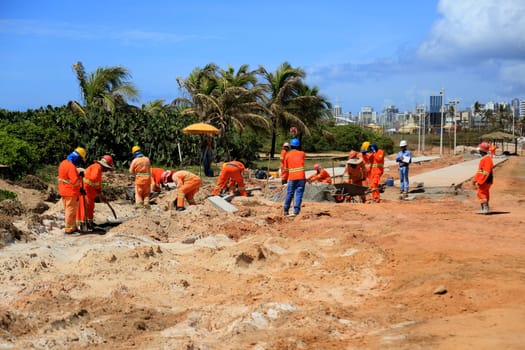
(444, 177)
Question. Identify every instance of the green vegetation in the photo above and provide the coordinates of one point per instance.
(4, 194)
(254, 109)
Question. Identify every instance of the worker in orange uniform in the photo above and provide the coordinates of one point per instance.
(92, 184)
(492, 149)
(295, 175)
(69, 186)
(232, 173)
(375, 157)
(141, 168)
(355, 172)
(187, 184)
(282, 155)
(484, 177)
(156, 179)
(320, 175)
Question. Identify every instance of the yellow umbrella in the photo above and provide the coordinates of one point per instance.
(201, 129)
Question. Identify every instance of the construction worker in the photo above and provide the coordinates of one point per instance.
(320, 175)
(69, 186)
(232, 173)
(187, 184)
(375, 157)
(403, 158)
(156, 179)
(355, 172)
(141, 168)
(284, 150)
(295, 176)
(92, 185)
(484, 177)
(363, 155)
(492, 149)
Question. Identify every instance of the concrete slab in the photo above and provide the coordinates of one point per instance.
(453, 175)
(222, 204)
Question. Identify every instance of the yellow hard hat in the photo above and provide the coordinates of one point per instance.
(365, 146)
(81, 152)
(135, 149)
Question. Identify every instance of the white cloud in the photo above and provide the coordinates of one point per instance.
(479, 29)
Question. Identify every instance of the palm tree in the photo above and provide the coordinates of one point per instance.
(225, 99)
(284, 88)
(107, 87)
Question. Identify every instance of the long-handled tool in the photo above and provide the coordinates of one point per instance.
(84, 202)
(104, 199)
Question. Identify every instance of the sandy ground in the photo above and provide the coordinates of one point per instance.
(423, 274)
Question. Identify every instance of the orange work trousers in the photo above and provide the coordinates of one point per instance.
(374, 187)
(70, 213)
(483, 193)
(86, 213)
(188, 190)
(142, 191)
(227, 173)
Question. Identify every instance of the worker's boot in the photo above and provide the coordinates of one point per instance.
(485, 208)
(180, 209)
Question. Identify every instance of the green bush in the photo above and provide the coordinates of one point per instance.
(5, 194)
(19, 155)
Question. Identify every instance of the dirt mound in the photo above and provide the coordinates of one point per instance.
(9, 233)
(340, 275)
(32, 182)
(11, 207)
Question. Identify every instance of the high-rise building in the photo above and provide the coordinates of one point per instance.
(515, 107)
(434, 110)
(367, 115)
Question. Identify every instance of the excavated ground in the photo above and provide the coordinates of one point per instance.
(423, 274)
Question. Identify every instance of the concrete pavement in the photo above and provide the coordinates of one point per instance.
(451, 175)
(443, 177)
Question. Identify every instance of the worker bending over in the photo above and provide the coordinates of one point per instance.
(320, 175)
(232, 173)
(187, 184)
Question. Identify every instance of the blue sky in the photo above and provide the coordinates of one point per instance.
(358, 53)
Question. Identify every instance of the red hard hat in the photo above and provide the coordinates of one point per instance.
(352, 154)
(316, 166)
(108, 159)
(165, 175)
(484, 146)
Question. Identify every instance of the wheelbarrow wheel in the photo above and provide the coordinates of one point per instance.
(339, 196)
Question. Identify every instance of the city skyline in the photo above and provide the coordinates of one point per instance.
(358, 54)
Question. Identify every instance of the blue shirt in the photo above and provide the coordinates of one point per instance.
(403, 155)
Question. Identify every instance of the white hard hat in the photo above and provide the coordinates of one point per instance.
(403, 143)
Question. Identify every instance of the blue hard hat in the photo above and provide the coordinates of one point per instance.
(295, 143)
(373, 147)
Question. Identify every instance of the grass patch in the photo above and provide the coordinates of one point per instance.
(4, 194)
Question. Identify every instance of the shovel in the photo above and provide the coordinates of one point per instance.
(109, 205)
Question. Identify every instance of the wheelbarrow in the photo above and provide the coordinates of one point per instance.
(345, 192)
(352, 193)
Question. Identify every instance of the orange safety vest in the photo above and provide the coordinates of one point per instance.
(68, 179)
(377, 162)
(323, 175)
(141, 167)
(294, 165)
(484, 173)
(156, 174)
(356, 174)
(93, 176)
(282, 155)
(236, 164)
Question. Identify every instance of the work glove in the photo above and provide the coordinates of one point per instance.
(103, 197)
(82, 191)
(81, 173)
(284, 182)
